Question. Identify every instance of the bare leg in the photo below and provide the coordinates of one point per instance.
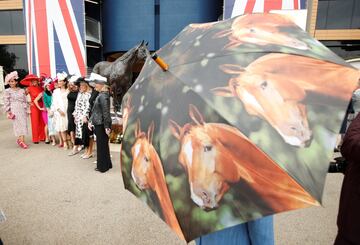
(46, 133)
(72, 137)
(91, 146)
(53, 140)
(89, 150)
(64, 139)
(61, 142)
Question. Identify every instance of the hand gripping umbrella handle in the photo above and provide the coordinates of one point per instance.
(160, 62)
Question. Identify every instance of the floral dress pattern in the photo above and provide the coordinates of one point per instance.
(82, 109)
(15, 102)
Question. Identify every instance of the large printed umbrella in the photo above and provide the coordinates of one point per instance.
(241, 125)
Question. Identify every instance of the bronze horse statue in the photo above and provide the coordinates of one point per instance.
(119, 72)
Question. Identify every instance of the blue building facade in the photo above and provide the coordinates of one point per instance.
(125, 23)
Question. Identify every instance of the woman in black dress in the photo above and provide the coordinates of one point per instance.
(73, 93)
(101, 120)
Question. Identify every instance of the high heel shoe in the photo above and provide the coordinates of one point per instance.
(87, 156)
(23, 145)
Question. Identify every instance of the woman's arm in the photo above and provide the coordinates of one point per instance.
(7, 104)
(105, 107)
(36, 101)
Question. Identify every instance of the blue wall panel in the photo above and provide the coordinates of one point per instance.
(176, 14)
(126, 23)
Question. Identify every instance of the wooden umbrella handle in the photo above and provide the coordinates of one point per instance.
(160, 62)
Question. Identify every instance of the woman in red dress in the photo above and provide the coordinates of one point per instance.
(37, 124)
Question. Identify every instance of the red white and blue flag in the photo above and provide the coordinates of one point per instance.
(55, 36)
(239, 7)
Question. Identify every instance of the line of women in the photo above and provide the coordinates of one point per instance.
(65, 111)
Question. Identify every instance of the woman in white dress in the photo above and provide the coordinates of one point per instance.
(59, 107)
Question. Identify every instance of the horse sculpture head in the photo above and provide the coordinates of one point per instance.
(261, 30)
(142, 51)
(143, 154)
(272, 97)
(206, 159)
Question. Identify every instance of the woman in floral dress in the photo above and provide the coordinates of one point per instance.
(81, 112)
(16, 108)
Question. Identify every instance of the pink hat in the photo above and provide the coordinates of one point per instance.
(11, 76)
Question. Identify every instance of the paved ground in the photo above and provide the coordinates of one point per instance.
(50, 198)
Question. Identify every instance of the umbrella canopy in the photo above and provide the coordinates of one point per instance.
(241, 125)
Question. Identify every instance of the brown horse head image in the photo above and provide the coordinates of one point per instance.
(216, 155)
(147, 173)
(261, 29)
(126, 110)
(270, 100)
(144, 156)
(274, 87)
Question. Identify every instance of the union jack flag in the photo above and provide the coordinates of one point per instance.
(55, 36)
(239, 7)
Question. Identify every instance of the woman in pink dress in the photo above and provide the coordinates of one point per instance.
(16, 108)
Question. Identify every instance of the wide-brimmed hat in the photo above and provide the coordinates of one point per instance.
(30, 77)
(49, 81)
(96, 78)
(43, 76)
(73, 78)
(81, 80)
(12, 75)
(61, 76)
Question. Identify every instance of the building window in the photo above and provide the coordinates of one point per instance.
(338, 14)
(13, 57)
(12, 22)
(347, 49)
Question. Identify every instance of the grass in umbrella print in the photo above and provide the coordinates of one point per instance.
(262, 30)
(216, 155)
(272, 89)
(147, 173)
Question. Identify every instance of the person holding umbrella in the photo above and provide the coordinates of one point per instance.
(260, 231)
(348, 220)
(100, 120)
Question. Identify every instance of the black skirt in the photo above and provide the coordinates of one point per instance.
(86, 135)
(71, 122)
(102, 149)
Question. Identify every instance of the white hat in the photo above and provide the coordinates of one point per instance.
(96, 78)
(47, 81)
(11, 76)
(61, 76)
(73, 78)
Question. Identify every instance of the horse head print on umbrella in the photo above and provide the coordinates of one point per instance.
(262, 30)
(119, 72)
(274, 93)
(216, 155)
(147, 172)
